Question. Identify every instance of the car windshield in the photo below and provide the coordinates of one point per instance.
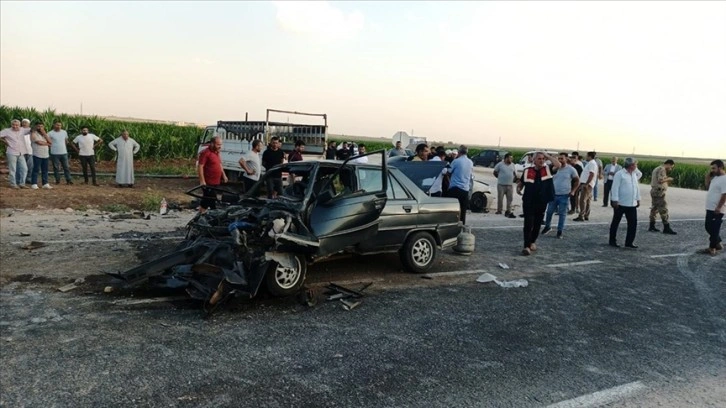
(423, 174)
(295, 179)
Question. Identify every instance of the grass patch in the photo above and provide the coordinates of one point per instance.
(116, 208)
(169, 169)
(151, 202)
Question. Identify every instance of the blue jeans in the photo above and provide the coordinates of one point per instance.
(17, 169)
(59, 160)
(594, 190)
(560, 203)
(29, 171)
(40, 165)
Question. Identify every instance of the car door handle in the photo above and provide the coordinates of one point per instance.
(407, 208)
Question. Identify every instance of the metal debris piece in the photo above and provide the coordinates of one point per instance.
(34, 245)
(348, 305)
(503, 265)
(486, 277)
(24, 234)
(68, 287)
(108, 289)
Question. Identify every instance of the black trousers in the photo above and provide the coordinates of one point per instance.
(713, 227)
(210, 198)
(631, 215)
(534, 213)
(88, 161)
(606, 194)
(463, 197)
(248, 183)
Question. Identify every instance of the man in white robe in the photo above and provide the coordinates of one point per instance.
(125, 147)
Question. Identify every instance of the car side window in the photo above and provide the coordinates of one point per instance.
(395, 190)
(370, 179)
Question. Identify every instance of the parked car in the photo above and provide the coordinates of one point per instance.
(488, 158)
(423, 174)
(328, 208)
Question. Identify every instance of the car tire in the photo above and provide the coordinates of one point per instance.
(419, 252)
(478, 202)
(491, 164)
(281, 281)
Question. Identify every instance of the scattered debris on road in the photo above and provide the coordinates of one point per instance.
(33, 245)
(488, 277)
(503, 265)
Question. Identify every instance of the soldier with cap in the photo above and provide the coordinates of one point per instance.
(658, 187)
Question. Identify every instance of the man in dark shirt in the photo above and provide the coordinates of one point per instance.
(330, 151)
(273, 156)
(296, 154)
(539, 190)
(344, 152)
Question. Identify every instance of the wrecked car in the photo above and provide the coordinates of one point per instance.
(327, 208)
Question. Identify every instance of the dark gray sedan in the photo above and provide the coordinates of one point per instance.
(327, 208)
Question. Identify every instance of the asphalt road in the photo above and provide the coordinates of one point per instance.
(630, 328)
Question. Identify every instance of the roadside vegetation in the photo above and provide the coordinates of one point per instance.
(170, 149)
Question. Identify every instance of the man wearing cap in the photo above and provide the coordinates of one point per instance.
(537, 183)
(14, 138)
(658, 187)
(125, 148)
(625, 199)
(461, 178)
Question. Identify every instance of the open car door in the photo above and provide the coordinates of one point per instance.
(348, 201)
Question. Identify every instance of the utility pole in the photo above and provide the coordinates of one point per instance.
(578, 146)
(81, 108)
(499, 144)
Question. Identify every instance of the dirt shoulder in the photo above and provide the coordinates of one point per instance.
(107, 196)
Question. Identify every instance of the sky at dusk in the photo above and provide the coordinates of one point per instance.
(611, 76)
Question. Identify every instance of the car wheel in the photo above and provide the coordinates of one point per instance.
(478, 202)
(491, 164)
(283, 281)
(419, 252)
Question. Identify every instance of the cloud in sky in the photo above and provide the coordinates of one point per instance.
(318, 19)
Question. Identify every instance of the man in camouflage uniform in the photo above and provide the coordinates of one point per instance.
(658, 187)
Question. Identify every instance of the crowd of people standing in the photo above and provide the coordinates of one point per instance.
(30, 151)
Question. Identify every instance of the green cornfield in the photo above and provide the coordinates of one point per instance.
(684, 175)
(158, 141)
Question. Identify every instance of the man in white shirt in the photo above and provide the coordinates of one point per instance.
(59, 152)
(87, 142)
(715, 205)
(588, 178)
(251, 164)
(25, 124)
(437, 187)
(361, 152)
(609, 173)
(14, 138)
(625, 199)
